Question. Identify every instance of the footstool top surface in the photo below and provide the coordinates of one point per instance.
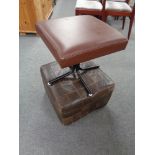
(77, 39)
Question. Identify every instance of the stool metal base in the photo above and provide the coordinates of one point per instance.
(75, 69)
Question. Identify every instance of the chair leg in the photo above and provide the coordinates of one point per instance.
(105, 18)
(130, 27)
(76, 12)
(123, 23)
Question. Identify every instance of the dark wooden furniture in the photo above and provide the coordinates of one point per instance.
(104, 8)
(88, 7)
(92, 7)
(68, 97)
(127, 1)
(119, 9)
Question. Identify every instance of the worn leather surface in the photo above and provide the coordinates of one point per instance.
(77, 39)
(68, 95)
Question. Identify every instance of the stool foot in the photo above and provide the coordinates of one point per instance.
(89, 92)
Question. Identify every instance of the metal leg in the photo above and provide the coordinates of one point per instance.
(89, 68)
(51, 82)
(75, 69)
(89, 93)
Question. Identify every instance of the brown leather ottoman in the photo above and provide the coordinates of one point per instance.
(73, 40)
(69, 98)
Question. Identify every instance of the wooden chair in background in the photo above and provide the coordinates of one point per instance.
(104, 8)
(123, 9)
(89, 7)
(127, 1)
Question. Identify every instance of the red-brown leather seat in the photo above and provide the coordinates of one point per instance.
(77, 39)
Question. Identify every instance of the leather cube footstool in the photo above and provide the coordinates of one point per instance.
(69, 97)
(73, 41)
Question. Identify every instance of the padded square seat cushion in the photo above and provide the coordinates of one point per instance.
(88, 4)
(117, 6)
(77, 39)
